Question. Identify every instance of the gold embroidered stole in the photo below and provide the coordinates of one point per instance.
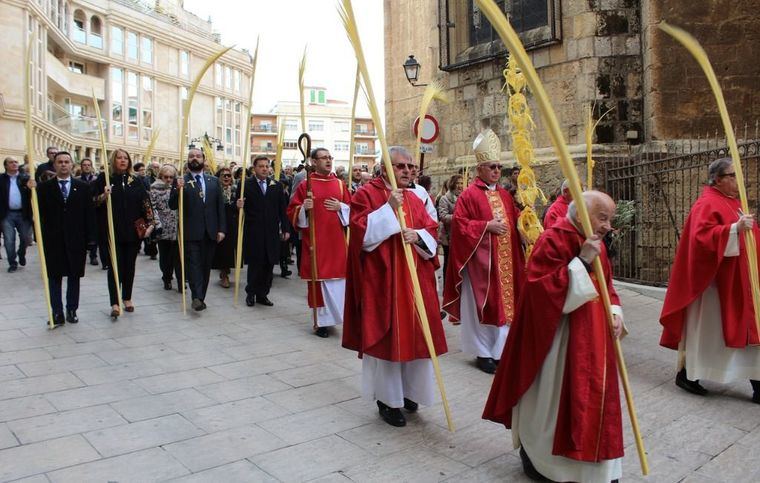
(504, 256)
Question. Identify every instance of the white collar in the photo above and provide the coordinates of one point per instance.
(199, 173)
(68, 178)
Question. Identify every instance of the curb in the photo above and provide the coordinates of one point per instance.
(646, 290)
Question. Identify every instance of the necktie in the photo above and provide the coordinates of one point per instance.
(200, 186)
(263, 186)
(64, 189)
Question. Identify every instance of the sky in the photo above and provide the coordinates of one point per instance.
(285, 27)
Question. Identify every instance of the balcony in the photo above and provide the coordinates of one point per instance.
(82, 126)
(73, 83)
(78, 34)
(263, 129)
(365, 132)
(95, 40)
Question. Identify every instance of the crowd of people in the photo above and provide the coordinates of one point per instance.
(538, 325)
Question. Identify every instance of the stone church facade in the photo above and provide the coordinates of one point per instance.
(607, 54)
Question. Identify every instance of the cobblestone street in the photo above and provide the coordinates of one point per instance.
(249, 394)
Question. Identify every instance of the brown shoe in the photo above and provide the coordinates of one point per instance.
(225, 281)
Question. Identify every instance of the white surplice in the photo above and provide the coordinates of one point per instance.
(476, 339)
(534, 418)
(389, 381)
(333, 290)
(707, 356)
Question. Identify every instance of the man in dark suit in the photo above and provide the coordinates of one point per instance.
(204, 221)
(47, 166)
(15, 212)
(266, 225)
(67, 217)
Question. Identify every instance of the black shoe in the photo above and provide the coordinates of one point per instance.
(153, 257)
(264, 301)
(22, 260)
(322, 332)
(71, 316)
(167, 285)
(198, 305)
(104, 267)
(250, 300)
(755, 391)
(486, 364)
(58, 320)
(12, 268)
(392, 416)
(528, 468)
(693, 387)
(284, 272)
(93, 261)
(410, 405)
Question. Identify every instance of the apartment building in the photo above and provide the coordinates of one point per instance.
(138, 58)
(328, 121)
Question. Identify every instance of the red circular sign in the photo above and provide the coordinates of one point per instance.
(430, 129)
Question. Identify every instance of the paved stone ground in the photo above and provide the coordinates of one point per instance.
(248, 394)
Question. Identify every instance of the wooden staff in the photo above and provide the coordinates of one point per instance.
(349, 22)
(32, 171)
(241, 189)
(304, 145)
(109, 204)
(515, 47)
(183, 134)
(696, 50)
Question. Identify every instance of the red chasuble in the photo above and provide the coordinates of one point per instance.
(556, 211)
(495, 264)
(380, 317)
(699, 261)
(329, 233)
(589, 424)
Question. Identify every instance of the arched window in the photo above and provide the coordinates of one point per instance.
(95, 38)
(78, 29)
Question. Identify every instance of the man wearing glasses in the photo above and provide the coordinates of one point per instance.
(486, 262)
(381, 321)
(328, 204)
(708, 315)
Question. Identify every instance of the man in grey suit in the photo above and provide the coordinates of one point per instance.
(204, 223)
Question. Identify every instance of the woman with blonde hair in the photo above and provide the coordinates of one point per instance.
(132, 219)
(166, 227)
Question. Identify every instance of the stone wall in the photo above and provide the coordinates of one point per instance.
(679, 103)
(597, 63)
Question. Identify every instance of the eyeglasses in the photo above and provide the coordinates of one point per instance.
(492, 166)
(409, 166)
(730, 175)
(325, 158)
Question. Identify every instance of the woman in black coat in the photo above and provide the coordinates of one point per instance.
(131, 202)
(224, 255)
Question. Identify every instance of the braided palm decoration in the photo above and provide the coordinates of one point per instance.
(521, 125)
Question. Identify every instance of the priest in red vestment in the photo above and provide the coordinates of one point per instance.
(381, 320)
(558, 209)
(329, 205)
(486, 260)
(557, 384)
(708, 313)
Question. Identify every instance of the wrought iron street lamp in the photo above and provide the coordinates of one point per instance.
(412, 71)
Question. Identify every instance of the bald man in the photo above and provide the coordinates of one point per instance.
(557, 385)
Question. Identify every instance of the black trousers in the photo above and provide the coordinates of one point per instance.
(168, 260)
(55, 285)
(126, 253)
(199, 255)
(93, 251)
(259, 279)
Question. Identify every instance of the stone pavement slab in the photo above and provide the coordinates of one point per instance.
(249, 394)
